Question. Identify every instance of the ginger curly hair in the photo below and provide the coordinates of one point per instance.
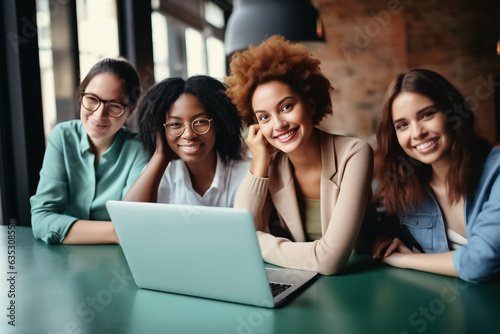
(277, 59)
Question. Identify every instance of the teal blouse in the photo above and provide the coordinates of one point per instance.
(72, 189)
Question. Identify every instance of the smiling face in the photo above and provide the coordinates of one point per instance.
(421, 128)
(100, 127)
(191, 147)
(283, 116)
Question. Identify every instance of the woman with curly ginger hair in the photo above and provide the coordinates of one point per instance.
(318, 183)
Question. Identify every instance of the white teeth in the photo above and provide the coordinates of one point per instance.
(190, 147)
(286, 135)
(425, 145)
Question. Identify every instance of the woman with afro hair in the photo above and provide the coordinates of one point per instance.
(193, 131)
(319, 183)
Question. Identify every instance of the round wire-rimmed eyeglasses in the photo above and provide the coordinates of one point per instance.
(113, 108)
(199, 126)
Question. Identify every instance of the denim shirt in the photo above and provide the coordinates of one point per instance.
(479, 259)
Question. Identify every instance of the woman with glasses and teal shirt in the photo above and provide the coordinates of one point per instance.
(90, 161)
(193, 131)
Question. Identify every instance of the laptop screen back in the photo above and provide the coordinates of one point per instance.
(209, 252)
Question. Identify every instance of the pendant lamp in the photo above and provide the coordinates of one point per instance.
(253, 21)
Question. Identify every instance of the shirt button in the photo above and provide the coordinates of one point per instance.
(416, 222)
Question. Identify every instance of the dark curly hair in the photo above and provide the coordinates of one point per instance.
(277, 59)
(123, 70)
(403, 180)
(157, 102)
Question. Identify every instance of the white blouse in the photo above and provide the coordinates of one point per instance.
(176, 187)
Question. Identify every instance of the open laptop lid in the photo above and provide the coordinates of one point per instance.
(209, 252)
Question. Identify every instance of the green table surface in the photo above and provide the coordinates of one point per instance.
(89, 289)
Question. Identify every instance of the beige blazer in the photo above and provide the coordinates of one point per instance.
(347, 167)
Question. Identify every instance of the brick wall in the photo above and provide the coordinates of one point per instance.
(370, 42)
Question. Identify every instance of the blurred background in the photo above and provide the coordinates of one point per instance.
(49, 46)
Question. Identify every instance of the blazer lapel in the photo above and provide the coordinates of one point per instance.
(329, 188)
(282, 189)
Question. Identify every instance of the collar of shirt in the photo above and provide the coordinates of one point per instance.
(217, 182)
(84, 139)
(112, 153)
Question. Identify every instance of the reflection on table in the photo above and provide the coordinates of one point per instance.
(89, 289)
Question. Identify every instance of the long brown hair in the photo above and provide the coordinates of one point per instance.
(403, 181)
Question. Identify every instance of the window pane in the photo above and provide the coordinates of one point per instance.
(155, 4)
(195, 50)
(216, 58)
(97, 32)
(1, 214)
(160, 46)
(46, 67)
(214, 14)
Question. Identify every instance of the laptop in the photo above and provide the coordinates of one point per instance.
(208, 252)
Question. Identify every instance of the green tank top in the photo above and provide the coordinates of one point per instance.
(312, 221)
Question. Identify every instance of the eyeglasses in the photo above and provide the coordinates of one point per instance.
(113, 108)
(199, 126)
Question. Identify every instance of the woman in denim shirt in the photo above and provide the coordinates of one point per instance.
(440, 178)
